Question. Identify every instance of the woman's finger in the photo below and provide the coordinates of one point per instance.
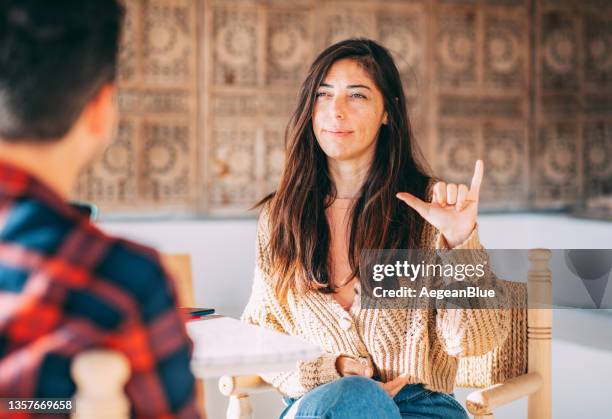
(355, 367)
(351, 366)
(345, 366)
(451, 193)
(476, 181)
(394, 389)
(367, 367)
(388, 387)
(418, 205)
(439, 192)
(462, 193)
(394, 386)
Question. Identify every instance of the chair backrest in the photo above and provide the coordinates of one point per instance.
(527, 347)
(178, 266)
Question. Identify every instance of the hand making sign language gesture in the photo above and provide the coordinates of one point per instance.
(453, 208)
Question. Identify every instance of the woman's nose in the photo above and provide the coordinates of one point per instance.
(337, 108)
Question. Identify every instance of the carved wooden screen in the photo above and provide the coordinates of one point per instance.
(480, 56)
(573, 103)
(207, 88)
(152, 166)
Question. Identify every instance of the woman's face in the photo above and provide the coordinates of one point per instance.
(348, 112)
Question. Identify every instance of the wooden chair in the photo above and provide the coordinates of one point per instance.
(178, 266)
(100, 375)
(519, 368)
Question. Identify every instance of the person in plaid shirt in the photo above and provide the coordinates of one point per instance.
(65, 286)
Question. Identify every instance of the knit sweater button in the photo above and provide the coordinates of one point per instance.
(345, 324)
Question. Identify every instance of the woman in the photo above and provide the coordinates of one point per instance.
(353, 180)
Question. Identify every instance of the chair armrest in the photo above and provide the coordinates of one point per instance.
(242, 385)
(483, 401)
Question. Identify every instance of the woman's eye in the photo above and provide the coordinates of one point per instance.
(358, 96)
(319, 94)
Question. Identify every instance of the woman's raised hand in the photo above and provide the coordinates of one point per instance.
(453, 208)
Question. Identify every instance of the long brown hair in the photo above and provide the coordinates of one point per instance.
(299, 232)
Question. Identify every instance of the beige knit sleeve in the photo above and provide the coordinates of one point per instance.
(265, 310)
(472, 331)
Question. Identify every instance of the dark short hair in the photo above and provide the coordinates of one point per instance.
(55, 56)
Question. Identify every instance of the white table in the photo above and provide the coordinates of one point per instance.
(226, 346)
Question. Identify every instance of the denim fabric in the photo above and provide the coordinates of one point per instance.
(415, 401)
(362, 398)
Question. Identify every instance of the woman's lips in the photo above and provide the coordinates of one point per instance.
(338, 133)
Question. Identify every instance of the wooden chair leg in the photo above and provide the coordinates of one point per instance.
(200, 398)
(239, 407)
(539, 332)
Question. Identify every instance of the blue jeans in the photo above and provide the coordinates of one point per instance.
(357, 397)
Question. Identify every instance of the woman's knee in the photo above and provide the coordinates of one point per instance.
(366, 396)
(357, 387)
(347, 398)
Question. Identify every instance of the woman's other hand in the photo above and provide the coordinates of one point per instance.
(394, 386)
(347, 365)
(453, 208)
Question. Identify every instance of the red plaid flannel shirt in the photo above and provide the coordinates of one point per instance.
(65, 286)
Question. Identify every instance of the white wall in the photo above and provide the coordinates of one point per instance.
(223, 260)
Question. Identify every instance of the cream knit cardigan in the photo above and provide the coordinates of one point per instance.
(423, 344)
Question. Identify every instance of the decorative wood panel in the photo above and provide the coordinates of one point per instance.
(598, 158)
(480, 101)
(597, 99)
(289, 46)
(403, 31)
(207, 88)
(573, 98)
(235, 46)
(151, 167)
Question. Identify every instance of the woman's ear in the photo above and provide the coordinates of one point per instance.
(385, 119)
